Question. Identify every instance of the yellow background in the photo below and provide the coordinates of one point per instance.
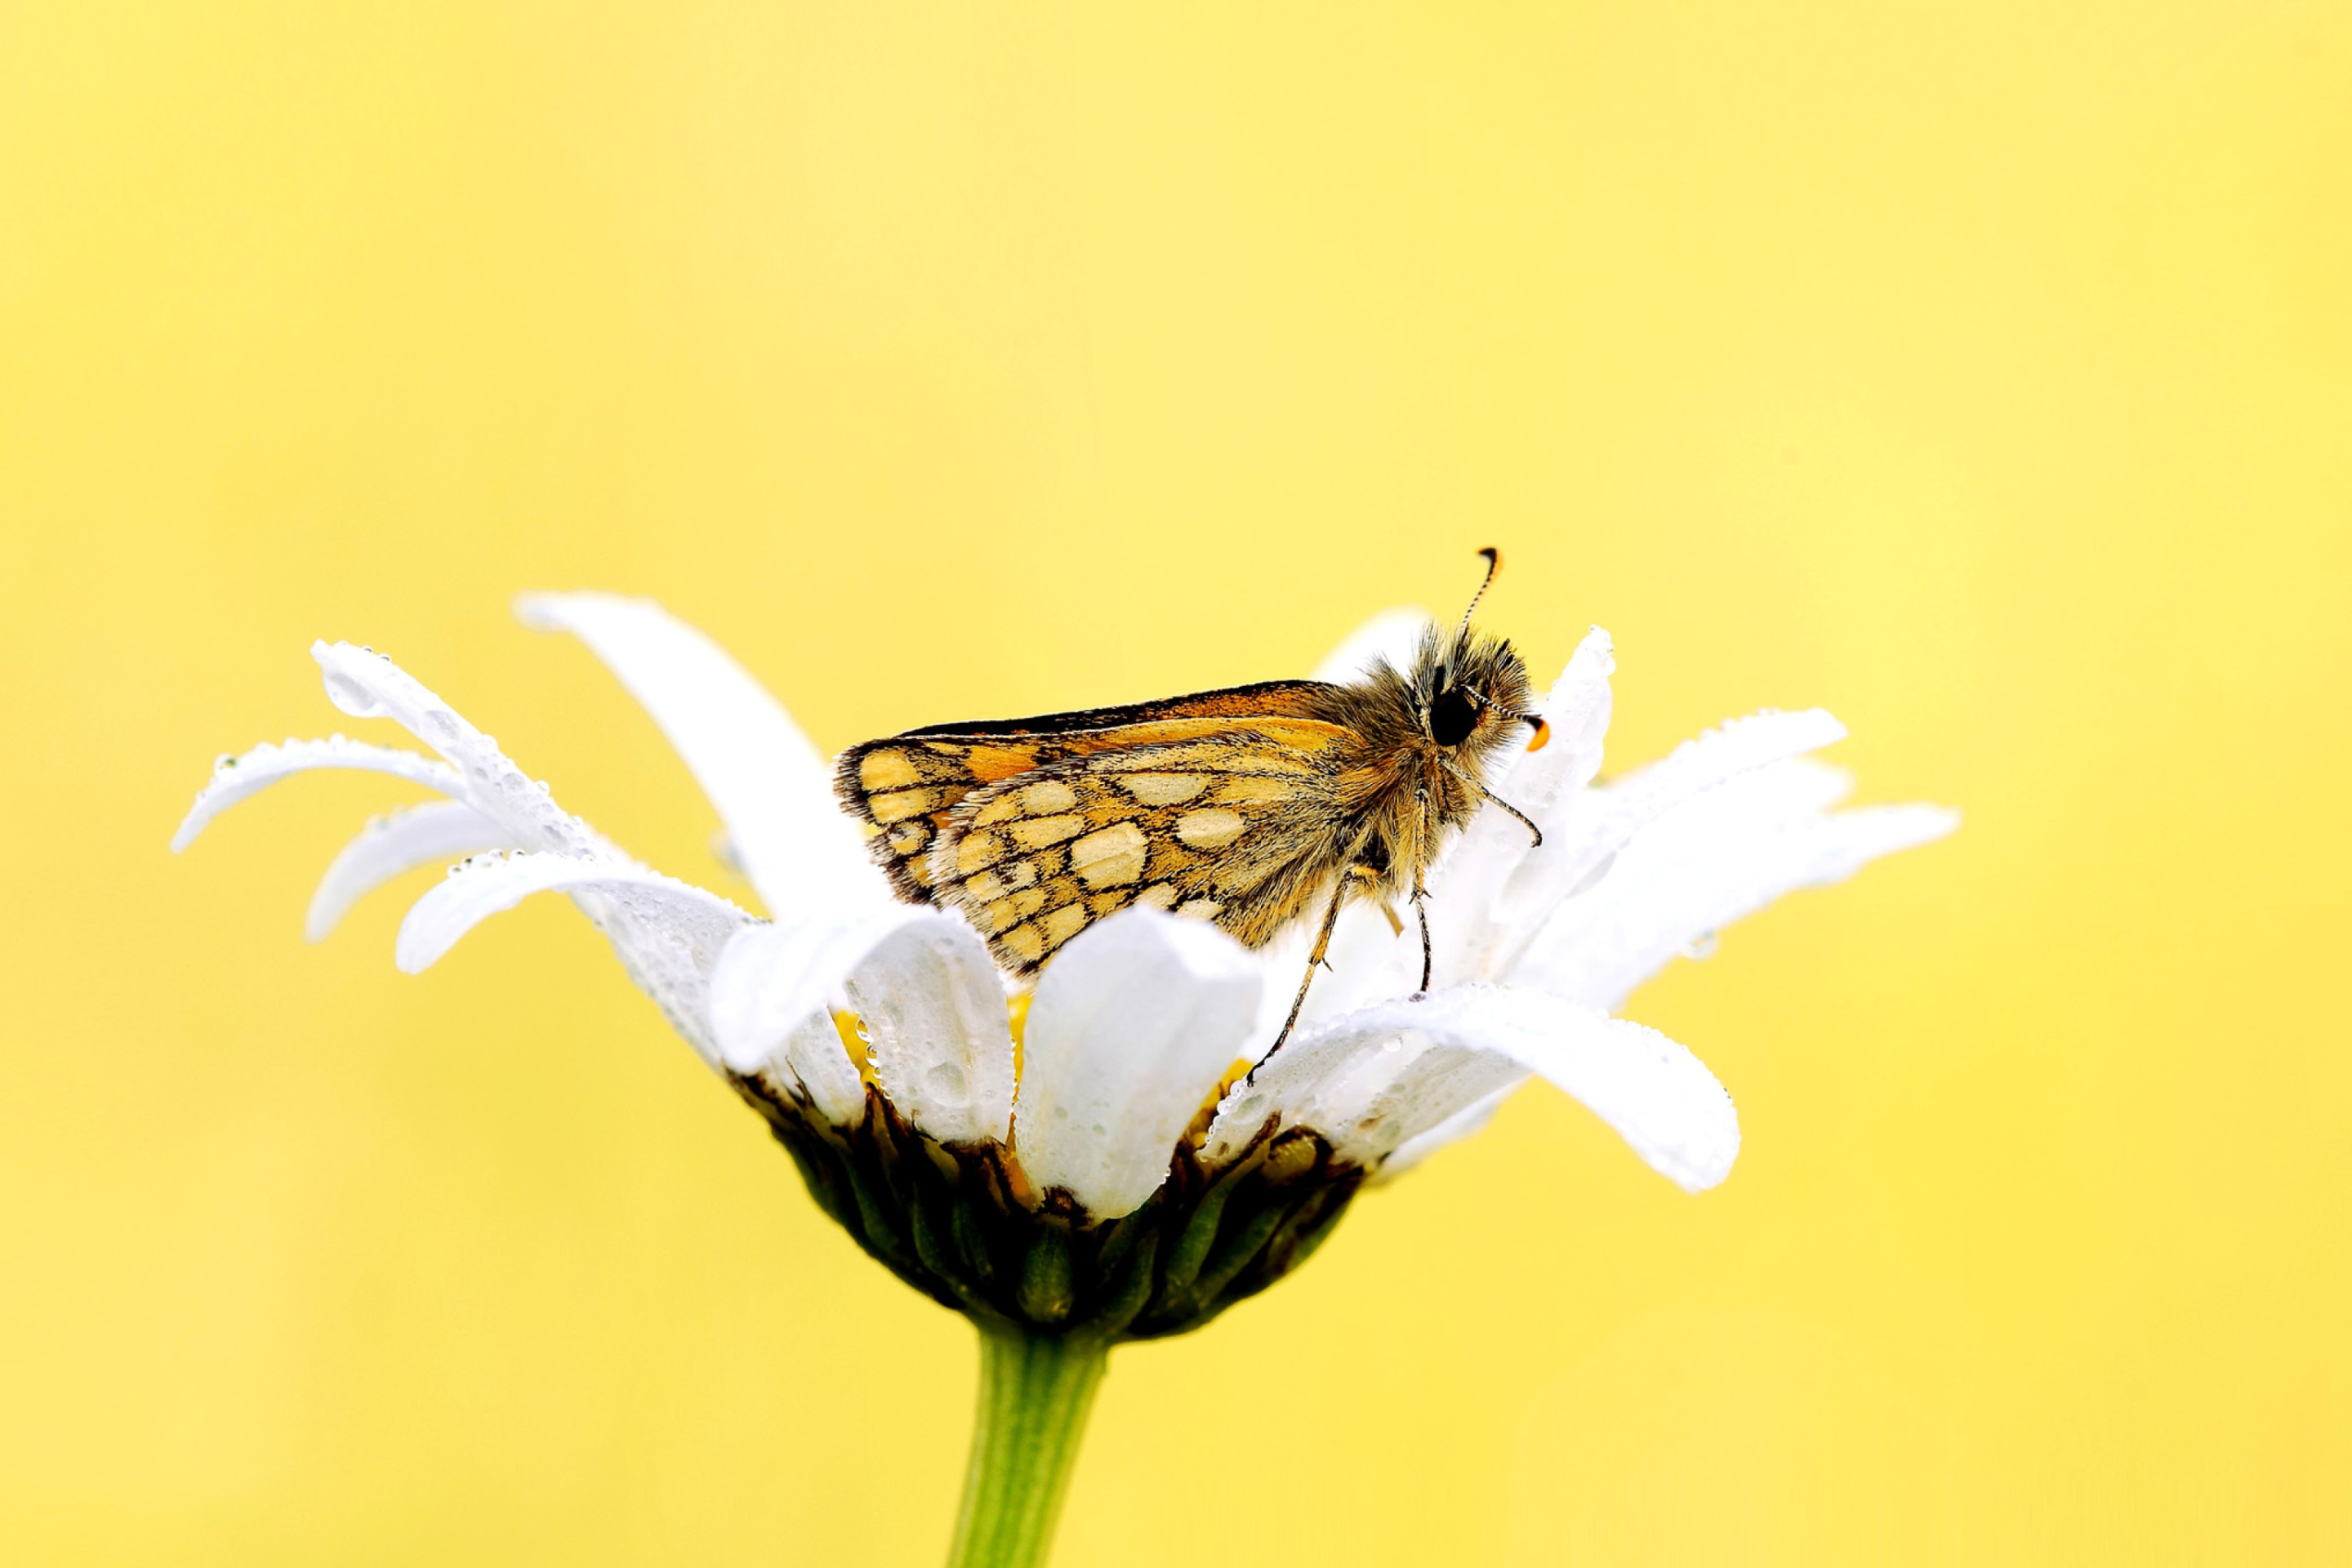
(1981, 371)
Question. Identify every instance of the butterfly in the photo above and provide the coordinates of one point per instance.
(1248, 808)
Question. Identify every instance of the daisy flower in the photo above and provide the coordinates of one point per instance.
(1105, 1157)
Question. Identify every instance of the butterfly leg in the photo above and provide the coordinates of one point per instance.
(1421, 908)
(1364, 874)
(1420, 891)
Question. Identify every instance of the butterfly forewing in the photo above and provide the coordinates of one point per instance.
(1219, 827)
(1220, 807)
(907, 785)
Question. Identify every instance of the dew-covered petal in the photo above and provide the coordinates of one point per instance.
(1465, 1123)
(240, 777)
(669, 934)
(1577, 709)
(367, 685)
(934, 1012)
(1594, 824)
(1707, 863)
(770, 785)
(771, 1011)
(486, 885)
(1372, 1081)
(774, 977)
(392, 845)
(1392, 636)
(814, 1056)
(920, 981)
(1131, 1026)
(1365, 1084)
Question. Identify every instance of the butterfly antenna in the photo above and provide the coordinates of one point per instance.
(1494, 564)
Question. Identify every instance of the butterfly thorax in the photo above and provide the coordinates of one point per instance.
(1429, 734)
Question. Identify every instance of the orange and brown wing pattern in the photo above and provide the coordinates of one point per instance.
(906, 786)
(1226, 820)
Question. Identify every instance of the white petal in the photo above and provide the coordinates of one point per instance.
(935, 1016)
(773, 978)
(1131, 1027)
(238, 778)
(669, 934)
(367, 685)
(1705, 864)
(1577, 708)
(814, 1053)
(1372, 1079)
(1391, 635)
(1366, 1084)
(1470, 1119)
(394, 844)
(1651, 1090)
(769, 1014)
(933, 1009)
(1595, 823)
(770, 785)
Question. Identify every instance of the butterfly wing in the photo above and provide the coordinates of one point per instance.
(907, 785)
(1239, 822)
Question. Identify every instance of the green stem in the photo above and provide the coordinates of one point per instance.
(1035, 1393)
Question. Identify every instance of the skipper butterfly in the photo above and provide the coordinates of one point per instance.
(1246, 807)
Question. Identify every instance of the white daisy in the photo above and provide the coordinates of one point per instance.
(1112, 1175)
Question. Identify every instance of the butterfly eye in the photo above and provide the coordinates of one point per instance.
(1453, 716)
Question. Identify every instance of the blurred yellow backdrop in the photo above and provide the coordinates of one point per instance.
(1981, 372)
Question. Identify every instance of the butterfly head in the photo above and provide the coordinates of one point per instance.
(1473, 692)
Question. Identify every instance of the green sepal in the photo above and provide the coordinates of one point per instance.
(1047, 1285)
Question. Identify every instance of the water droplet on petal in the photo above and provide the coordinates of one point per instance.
(946, 1083)
(1701, 947)
(351, 697)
